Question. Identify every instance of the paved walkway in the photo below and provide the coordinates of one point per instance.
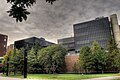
(104, 78)
(8, 78)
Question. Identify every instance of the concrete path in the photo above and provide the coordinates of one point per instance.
(104, 78)
(8, 78)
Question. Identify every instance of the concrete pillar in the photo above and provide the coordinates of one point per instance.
(116, 29)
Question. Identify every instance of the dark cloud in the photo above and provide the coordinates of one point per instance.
(55, 21)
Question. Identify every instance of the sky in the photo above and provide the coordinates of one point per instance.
(55, 21)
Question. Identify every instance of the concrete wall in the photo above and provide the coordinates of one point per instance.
(116, 29)
(70, 61)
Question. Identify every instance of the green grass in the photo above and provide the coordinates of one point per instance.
(63, 76)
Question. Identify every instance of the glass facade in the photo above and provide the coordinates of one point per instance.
(85, 33)
(67, 43)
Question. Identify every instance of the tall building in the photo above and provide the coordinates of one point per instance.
(30, 42)
(85, 33)
(98, 29)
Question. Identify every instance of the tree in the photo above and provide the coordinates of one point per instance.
(117, 61)
(18, 60)
(52, 58)
(99, 57)
(112, 52)
(19, 8)
(15, 60)
(85, 59)
(33, 62)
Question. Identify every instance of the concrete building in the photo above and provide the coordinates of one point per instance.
(116, 29)
(30, 42)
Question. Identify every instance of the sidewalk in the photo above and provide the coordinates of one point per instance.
(104, 78)
(8, 78)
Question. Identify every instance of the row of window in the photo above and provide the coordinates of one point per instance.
(100, 23)
(100, 32)
(90, 41)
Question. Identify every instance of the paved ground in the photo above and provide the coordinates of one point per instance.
(104, 78)
(7, 78)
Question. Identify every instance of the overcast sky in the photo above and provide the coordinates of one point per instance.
(55, 21)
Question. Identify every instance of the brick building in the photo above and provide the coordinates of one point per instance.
(3, 45)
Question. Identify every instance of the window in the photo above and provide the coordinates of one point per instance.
(4, 45)
(5, 40)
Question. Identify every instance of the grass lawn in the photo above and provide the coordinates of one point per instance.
(64, 76)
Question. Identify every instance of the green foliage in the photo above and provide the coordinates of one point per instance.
(19, 8)
(76, 68)
(52, 58)
(99, 57)
(112, 53)
(117, 61)
(33, 62)
(15, 60)
(85, 58)
(92, 59)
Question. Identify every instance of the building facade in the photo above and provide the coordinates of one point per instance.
(3, 46)
(98, 29)
(30, 42)
(85, 33)
(116, 29)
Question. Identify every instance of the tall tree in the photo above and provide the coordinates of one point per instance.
(85, 59)
(112, 52)
(117, 61)
(99, 57)
(52, 58)
(19, 8)
(33, 62)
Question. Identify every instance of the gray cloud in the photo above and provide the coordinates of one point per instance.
(55, 21)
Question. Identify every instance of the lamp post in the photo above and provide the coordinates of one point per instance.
(7, 66)
(25, 59)
(7, 72)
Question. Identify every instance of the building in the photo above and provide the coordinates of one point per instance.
(98, 29)
(68, 43)
(85, 33)
(116, 29)
(3, 45)
(30, 42)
